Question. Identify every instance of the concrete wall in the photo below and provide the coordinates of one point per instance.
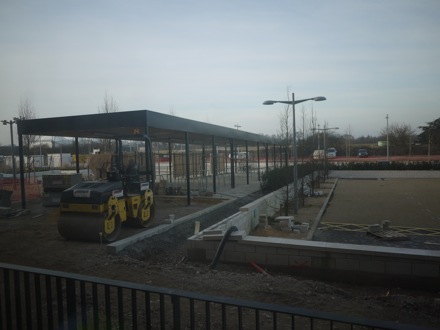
(334, 261)
(247, 219)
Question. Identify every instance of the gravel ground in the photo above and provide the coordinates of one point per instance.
(154, 246)
(408, 199)
(412, 242)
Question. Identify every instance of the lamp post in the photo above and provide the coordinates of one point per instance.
(325, 148)
(319, 146)
(388, 142)
(295, 158)
(11, 122)
(429, 139)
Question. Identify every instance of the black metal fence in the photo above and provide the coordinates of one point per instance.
(32, 298)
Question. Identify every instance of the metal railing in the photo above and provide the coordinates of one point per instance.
(32, 298)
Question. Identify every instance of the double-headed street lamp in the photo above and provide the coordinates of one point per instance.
(11, 122)
(295, 158)
(325, 129)
(388, 141)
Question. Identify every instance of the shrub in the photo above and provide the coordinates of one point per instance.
(386, 165)
(279, 177)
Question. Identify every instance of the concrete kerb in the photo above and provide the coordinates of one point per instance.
(246, 219)
(118, 246)
(321, 212)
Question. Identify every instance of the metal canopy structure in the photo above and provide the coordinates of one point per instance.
(132, 125)
(137, 125)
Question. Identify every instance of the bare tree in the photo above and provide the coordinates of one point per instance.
(109, 105)
(26, 110)
(400, 137)
(284, 133)
(306, 132)
(313, 125)
(348, 138)
(283, 138)
(431, 135)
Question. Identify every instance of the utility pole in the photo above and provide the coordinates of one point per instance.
(388, 142)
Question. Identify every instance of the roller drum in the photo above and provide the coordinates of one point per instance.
(144, 217)
(86, 227)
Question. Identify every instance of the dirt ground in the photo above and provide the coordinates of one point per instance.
(404, 202)
(32, 239)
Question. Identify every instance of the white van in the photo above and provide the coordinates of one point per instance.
(318, 154)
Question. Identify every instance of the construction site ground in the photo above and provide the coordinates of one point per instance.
(31, 238)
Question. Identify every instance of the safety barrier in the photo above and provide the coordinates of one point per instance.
(32, 186)
(35, 298)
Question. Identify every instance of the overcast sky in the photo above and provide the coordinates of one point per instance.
(217, 61)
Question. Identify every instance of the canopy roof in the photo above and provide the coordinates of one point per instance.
(134, 125)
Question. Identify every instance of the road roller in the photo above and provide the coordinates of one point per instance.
(96, 210)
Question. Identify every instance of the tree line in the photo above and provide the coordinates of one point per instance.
(402, 139)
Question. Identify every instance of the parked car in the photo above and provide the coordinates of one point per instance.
(362, 153)
(331, 152)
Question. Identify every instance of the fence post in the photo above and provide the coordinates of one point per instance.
(71, 304)
(176, 312)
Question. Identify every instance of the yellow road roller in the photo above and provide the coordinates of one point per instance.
(96, 210)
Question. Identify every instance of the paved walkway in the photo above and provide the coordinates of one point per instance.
(242, 188)
(239, 191)
(385, 174)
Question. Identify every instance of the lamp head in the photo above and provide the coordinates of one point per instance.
(5, 122)
(268, 102)
(319, 98)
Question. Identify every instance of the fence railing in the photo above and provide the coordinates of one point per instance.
(32, 298)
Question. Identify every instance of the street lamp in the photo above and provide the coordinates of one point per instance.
(11, 122)
(388, 141)
(295, 160)
(324, 130)
(429, 138)
(325, 148)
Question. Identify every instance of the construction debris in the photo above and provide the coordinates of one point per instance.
(384, 232)
(8, 212)
(261, 270)
(285, 223)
